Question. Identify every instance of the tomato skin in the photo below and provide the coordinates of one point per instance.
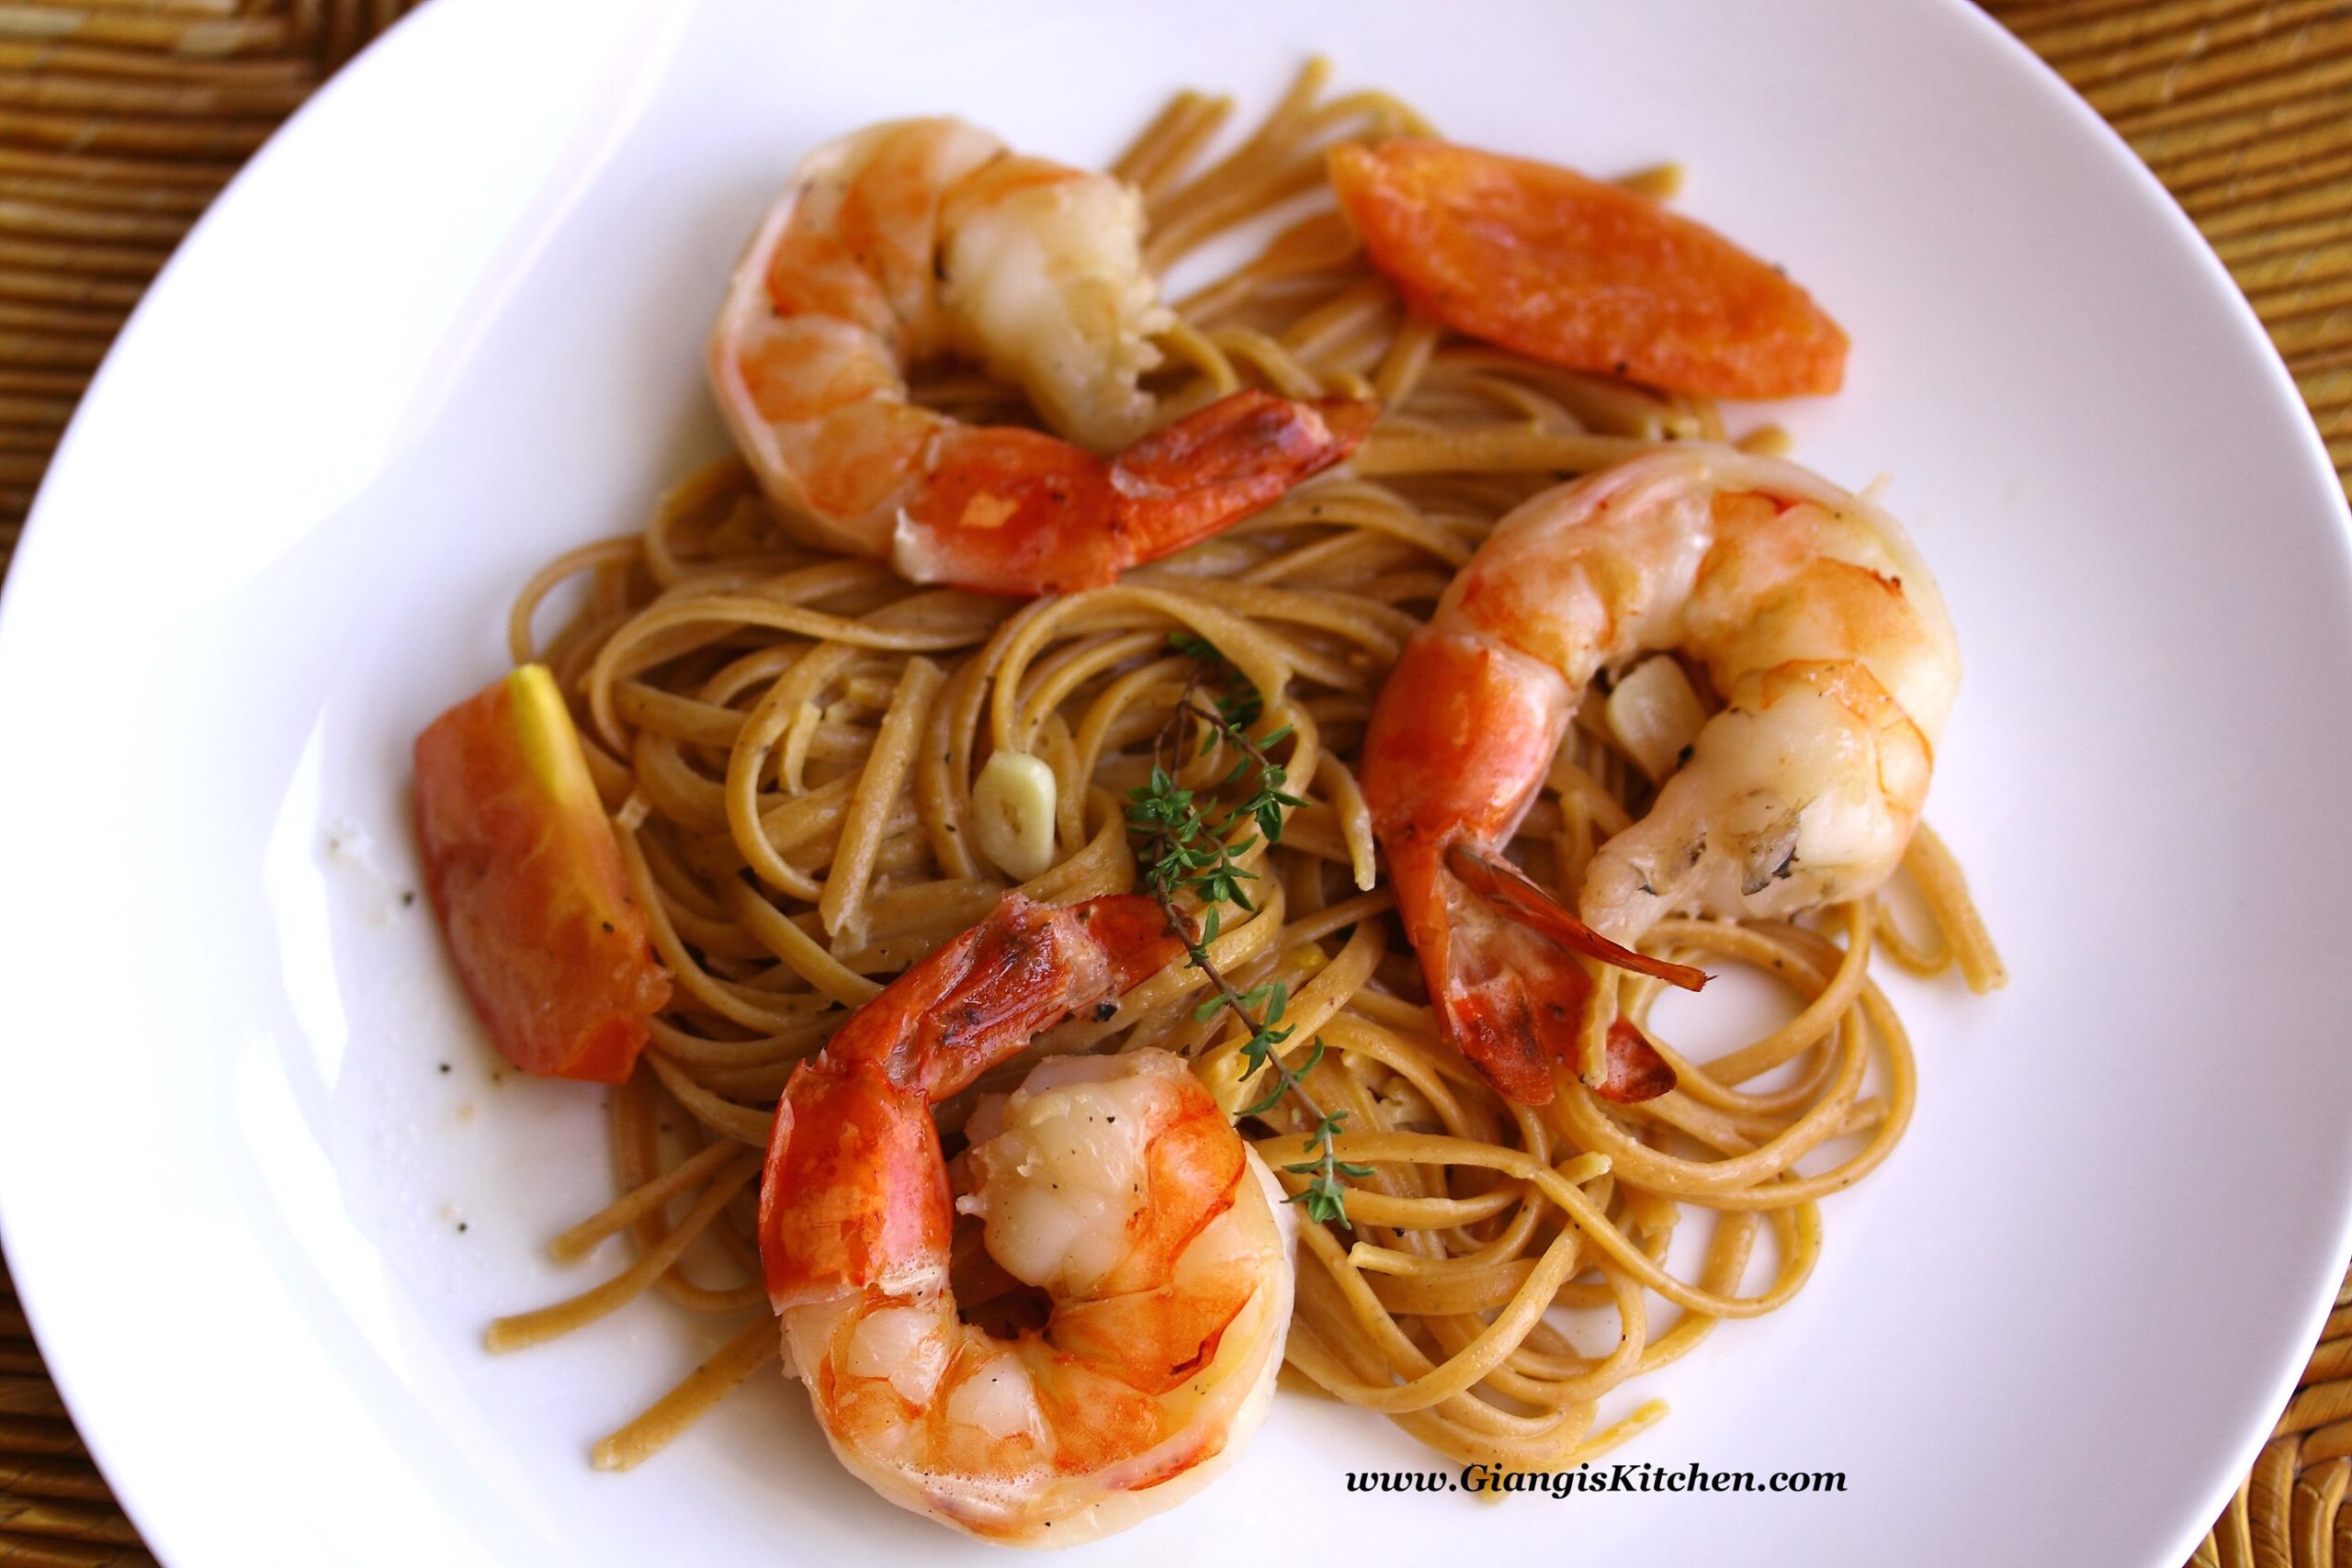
(1582, 274)
(526, 877)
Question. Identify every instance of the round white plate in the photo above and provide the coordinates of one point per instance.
(449, 324)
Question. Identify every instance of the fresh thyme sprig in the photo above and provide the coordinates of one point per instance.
(1187, 853)
(1237, 701)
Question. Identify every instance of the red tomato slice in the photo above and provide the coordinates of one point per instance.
(526, 877)
(1582, 274)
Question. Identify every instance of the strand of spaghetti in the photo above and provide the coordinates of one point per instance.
(1422, 1214)
(1939, 877)
(617, 1216)
(1429, 1295)
(753, 1348)
(1388, 114)
(1310, 1007)
(1059, 753)
(1923, 954)
(520, 645)
(840, 906)
(1022, 709)
(745, 1126)
(1315, 336)
(1155, 143)
(675, 716)
(1280, 122)
(942, 797)
(1156, 685)
(1407, 359)
(1740, 1183)
(1372, 1148)
(1105, 865)
(709, 616)
(700, 491)
(1728, 1251)
(699, 1052)
(1810, 1025)
(804, 954)
(1528, 1373)
(1601, 403)
(1355, 824)
(1640, 1419)
(1378, 631)
(779, 710)
(1393, 449)
(690, 977)
(1189, 343)
(1437, 1213)
(1400, 1357)
(1474, 1360)
(526, 1328)
(1303, 657)
(1222, 207)
(1410, 1021)
(635, 1124)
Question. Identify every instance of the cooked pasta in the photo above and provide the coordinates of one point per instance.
(788, 742)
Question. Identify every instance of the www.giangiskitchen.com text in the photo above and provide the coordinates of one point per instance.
(1494, 1480)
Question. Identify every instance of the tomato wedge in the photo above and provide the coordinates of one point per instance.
(1582, 274)
(526, 877)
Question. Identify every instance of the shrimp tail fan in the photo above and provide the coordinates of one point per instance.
(1501, 961)
(1206, 471)
(1509, 889)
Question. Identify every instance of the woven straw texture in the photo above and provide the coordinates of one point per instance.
(120, 119)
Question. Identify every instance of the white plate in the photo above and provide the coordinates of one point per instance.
(449, 324)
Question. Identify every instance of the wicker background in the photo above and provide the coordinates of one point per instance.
(120, 119)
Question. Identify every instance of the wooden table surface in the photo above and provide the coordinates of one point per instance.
(120, 119)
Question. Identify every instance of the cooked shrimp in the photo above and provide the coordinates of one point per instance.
(1818, 626)
(1111, 1194)
(922, 237)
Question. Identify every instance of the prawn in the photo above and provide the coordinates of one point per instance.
(1814, 621)
(1112, 1195)
(917, 238)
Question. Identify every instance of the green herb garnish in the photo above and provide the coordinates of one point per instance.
(1190, 846)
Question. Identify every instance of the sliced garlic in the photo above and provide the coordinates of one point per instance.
(1013, 814)
(1654, 714)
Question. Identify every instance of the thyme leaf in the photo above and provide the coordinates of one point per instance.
(1190, 844)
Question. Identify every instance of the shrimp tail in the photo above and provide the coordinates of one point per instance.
(1011, 510)
(1509, 889)
(870, 1145)
(1208, 471)
(1509, 997)
(855, 1123)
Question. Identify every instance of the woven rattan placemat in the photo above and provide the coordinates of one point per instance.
(120, 119)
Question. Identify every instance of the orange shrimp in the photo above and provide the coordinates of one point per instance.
(1814, 621)
(917, 238)
(1112, 1193)
(1580, 273)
